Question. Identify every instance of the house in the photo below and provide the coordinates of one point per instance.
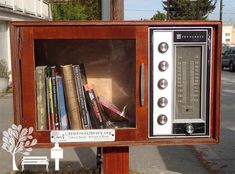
(14, 10)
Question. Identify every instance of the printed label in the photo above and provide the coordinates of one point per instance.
(95, 135)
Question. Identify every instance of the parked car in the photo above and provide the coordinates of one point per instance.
(228, 59)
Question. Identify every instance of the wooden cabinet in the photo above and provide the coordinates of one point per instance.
(116, 58)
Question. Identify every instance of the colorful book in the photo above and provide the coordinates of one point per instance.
(71, 97)
(41, 97)
(81, 98)
(95, 114)
(49, 121)
(54, 95)
(51, 104)
(62, 111)
(112, 112)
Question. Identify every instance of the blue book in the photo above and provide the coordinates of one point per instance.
(64, 124)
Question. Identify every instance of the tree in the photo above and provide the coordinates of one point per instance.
(158, 16)
(76, 10)
(189, 9)
(68, 11)
(18, 140)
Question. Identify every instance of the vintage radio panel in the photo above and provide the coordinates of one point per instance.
(180, 70)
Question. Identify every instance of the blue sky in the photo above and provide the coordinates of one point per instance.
(137, 9)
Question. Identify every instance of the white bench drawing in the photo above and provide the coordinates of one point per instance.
(34, 160)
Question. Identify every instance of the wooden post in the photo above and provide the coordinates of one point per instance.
(116, 160)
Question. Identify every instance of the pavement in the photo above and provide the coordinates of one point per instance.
(150, 159)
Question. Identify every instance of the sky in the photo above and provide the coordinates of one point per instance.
(145, 9)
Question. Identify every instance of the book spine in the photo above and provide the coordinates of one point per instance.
(61, 104)
(81, 98)
(49, 124)
(71, 97)
(41, 98)
(94, 107)
(54, 94)
(51, 104)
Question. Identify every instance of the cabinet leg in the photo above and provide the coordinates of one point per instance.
(116, 160)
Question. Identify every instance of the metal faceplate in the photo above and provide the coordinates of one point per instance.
(180, 108)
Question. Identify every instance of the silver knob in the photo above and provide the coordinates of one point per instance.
(162, 102)
(162, 83)
(163, 47)
(163, 66)
(162, 119)
(189, 128)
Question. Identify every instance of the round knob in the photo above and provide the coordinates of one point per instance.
(162, 83)
(162, 102)
(162, 119)
(163, 47)
(189, 128)
(163, 66)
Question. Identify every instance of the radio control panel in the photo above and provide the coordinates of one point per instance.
(179, 82)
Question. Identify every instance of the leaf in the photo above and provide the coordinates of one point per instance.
(4, 139)
(24, 138)
(27, 143)
(19, 127)
(14, 126)
(5, 148)
(26, 153)
(34, 142)
(29, 149)
(21, 144)
(12, 141)
(20, 149)
(30, 130)
(24, 132)
(30, 137)
(11, 148)
(15, 134)
(5, 133)
(10, 132)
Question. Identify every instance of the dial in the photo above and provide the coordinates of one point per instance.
(162, 102)
(162, 83)
(163, 65)
(162, 119)
(163, 47)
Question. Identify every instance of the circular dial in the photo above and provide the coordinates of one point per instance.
(162, 102)
(162, 83)
(163, 47)
(162, 119)
(189, 128)
(163, 65)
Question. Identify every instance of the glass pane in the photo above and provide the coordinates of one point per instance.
(109, 65)
(188, 83)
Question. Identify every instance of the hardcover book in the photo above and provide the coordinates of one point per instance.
(62, 111)
(81, 98)
(96, 117)
(71, 97)
(54, 95)
(41, 98)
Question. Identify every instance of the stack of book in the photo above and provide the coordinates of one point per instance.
(67, 101)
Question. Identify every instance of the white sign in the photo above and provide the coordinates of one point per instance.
(91, 135)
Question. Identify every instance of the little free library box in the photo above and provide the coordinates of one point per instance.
(95, 83)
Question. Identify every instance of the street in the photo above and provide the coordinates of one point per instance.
(152, 159)
(219, 158)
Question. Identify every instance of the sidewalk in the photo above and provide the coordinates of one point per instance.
(143, 159)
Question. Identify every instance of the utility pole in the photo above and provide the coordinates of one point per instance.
(221, 10)
(168, 10)
(198, 9)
